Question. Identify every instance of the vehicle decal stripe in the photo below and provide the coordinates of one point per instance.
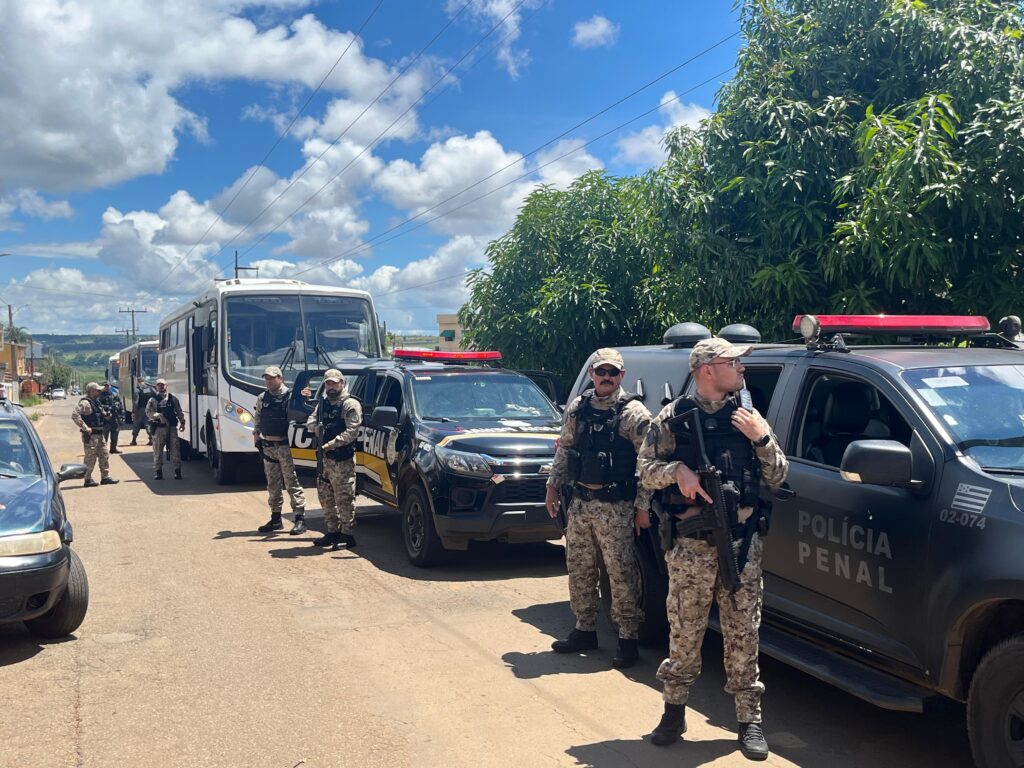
(496, 433)
(970, 498)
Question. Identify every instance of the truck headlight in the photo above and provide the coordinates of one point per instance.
(29, 544)
(237, 413)
(463, 463)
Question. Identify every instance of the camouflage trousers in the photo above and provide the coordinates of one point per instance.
(692, 582)
(280, 476)
(96, 448)
(337, 492)
(166, 436)
(605, 528)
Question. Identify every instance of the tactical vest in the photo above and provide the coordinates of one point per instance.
(728, 450)
(100, 413)
(332, 418)
(166, 409)
(273, 420)
(600, 455)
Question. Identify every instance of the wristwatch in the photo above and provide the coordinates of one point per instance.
(763, 441)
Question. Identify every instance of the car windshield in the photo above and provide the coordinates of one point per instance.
(982, 407)
(17, 456)
(484, 395)
(267, 330)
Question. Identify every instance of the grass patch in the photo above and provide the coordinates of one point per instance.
(29, 400)
(35, 416)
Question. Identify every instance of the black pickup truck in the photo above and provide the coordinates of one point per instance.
(894, 567)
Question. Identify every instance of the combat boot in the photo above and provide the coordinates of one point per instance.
(158, 475)
(273, 524)
(109, 481)
(114, 450)
(578, 640)
(300, 524)
(177, 474)
(348, 540)
(671, 727)
(627, 654)
(329, 539)
(752, 743)
(134, 442)
(90, 483)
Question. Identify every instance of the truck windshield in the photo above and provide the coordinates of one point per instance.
(467, 396)
(268, 329)
(982, 407)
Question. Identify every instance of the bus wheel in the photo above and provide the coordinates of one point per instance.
(221, 464)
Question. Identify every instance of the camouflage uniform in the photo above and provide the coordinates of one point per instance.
(693, 580)
(165, 434)
(603, 526)
(281, 471)
(95, 444)
(337, 487)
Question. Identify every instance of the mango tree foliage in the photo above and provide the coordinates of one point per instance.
(866, 157)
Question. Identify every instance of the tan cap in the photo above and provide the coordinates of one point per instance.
(333, 374)
(607, 356)
(91, 385)
(161, 381)
(271, 370)
(707, 350)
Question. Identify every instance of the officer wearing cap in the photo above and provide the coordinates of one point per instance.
(335, 421)
(741, 445)
(90, 416)
(595, 464)
(164, 413)
(271, 438)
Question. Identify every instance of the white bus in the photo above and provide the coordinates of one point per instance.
(140, 359)
(214, 348)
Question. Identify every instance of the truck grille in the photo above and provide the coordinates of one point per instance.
(530, 491)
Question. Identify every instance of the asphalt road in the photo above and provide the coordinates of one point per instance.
(208, 644)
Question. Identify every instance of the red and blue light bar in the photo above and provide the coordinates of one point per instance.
(936, 324)
(453, 357)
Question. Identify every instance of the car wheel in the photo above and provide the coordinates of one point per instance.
(422, 544)
(995, 707)
(68, 613)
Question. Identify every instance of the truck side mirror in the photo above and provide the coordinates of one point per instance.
(877, 462)
(384, 417)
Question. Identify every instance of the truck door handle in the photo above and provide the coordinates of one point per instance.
(783, 492)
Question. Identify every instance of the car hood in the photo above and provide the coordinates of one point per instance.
(24, 505)
(503, 437)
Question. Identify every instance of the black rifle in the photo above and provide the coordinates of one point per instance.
(564, 500)
(716, 515)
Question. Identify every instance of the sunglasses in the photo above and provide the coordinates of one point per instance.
(607, 373)
(734, 363)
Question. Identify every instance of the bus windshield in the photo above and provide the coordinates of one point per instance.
(268, 329)
(147, 363)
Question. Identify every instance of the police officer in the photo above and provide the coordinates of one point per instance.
(271, 437)
(143, 393)
(113, 403)
(740, 443)
(336, 420)
(596, 463)
(91, 416)
(164, 413)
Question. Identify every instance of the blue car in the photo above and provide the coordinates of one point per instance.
(42, 580)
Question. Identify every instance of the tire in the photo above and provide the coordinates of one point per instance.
(422, 544)
(653, 593)
(221, 464)
(69, 611)
(995, 707)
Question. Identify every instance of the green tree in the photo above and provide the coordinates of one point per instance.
(866, 157)
(580, 269)
(17, 334)
(56, 374)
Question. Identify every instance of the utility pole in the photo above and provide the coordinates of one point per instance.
(133, 312)
(125, 331)
(242, 269)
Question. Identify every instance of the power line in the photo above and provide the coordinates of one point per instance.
(378, 238)
(380, 135)
(330, 146)
(302, 109)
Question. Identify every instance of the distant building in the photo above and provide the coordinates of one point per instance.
(450, 333)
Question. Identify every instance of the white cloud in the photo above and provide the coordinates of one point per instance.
(31, 204)
(487, 13)
(595, 32)
(644, 148)
(561, 171)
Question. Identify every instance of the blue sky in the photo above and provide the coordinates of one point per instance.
(129, 126)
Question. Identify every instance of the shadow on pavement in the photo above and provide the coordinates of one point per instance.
(196, 477)
(17, 644)
(618, 752)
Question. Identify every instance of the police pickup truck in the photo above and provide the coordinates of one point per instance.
(463, 450)
(894, 566)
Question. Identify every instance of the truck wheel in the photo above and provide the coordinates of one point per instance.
(653, 593)
(68, 613)
(995, 707)
(422, 544)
